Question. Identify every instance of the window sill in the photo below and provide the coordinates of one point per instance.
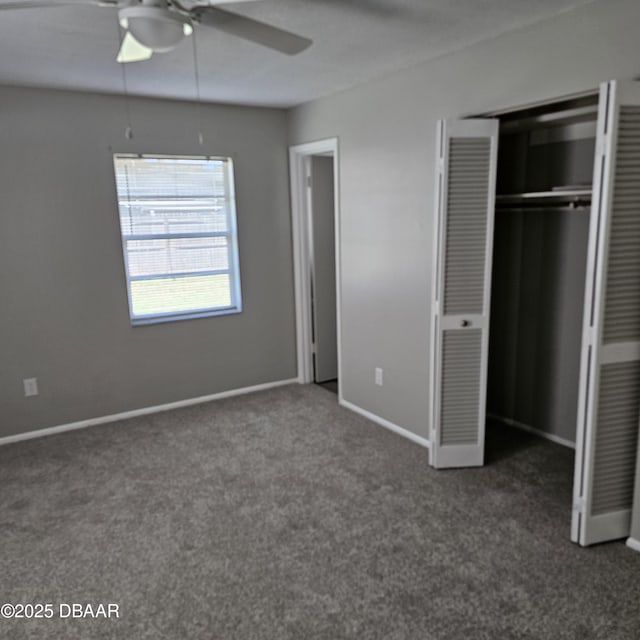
(142, 321)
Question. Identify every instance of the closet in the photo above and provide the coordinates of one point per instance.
(536, 291)
(543, 203)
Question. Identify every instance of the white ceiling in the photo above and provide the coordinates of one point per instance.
(354, 41)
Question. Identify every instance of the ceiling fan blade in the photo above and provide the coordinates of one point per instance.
(132, 51)
(50, 4)
(250, 29)
(191, 5)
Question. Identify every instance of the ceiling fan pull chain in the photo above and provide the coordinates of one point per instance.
(128, 132)
(196, 74)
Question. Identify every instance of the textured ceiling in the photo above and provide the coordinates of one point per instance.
(354, 41)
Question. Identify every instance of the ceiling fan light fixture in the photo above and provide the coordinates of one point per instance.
(132, 51)
(157, 28)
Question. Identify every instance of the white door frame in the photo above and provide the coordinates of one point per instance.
(301, 227)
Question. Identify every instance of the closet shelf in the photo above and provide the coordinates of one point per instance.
(561, 197)
(586, 113)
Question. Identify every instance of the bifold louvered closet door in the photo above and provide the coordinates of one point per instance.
(463, 230)
(607, 430)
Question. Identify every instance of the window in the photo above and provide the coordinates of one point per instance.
(178, 224)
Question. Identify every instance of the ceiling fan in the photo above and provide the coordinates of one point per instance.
(155, 26)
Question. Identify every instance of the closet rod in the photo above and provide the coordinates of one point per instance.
(555, 195)
(573, 198)
(581, 207)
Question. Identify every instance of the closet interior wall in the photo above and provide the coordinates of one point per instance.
(545, 175)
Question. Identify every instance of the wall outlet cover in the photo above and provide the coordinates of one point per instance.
(30, 387)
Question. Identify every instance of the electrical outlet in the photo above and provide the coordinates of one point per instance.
(30, 386)
(378, 376)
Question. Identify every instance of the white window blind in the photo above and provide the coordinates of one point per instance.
(178, 225)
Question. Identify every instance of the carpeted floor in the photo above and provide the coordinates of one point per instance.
(280, 515)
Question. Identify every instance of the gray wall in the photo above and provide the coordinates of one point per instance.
(63, 311)
(536, 318)
(387, 131)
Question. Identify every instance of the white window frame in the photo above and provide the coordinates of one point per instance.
(231, 234)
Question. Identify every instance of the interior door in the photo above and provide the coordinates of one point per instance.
(324, 269)
(464, 214)
(607, 429)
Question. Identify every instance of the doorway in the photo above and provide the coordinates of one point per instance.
(545, 170)
(322, 259)
(316, 233)
(545, 174)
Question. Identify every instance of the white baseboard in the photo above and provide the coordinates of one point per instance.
(386, 424)
(634, 544)
(91, 422)
(538, 432)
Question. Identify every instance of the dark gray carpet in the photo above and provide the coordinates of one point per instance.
(280, 515)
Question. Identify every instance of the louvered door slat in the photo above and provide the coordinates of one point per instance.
(622, 298)
(616, 438)
(466, 226)
(461, 357)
